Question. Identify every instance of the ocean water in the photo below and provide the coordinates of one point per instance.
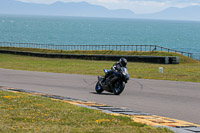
(178, 35)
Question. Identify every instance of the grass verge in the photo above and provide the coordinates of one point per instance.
(180, 72)
(20, 112)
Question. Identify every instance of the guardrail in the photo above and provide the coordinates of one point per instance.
(141, 48)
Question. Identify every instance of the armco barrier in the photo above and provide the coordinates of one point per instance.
(130, 58)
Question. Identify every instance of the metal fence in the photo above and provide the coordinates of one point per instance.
(141, 48)
(196, 56)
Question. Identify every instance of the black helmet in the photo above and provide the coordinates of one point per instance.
(123, 62)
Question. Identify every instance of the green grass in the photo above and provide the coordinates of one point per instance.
(20, 112)
(179, 72)
(182, 59)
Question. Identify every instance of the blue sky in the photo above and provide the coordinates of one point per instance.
(137, 6)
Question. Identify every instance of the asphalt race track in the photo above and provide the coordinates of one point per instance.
(179, 100)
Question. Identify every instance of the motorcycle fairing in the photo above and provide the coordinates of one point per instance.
(105, 70)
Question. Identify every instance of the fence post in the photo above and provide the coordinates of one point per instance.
(191, 55)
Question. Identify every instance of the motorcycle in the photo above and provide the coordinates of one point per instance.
(115, 83)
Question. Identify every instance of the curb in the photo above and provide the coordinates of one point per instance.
(178, 126)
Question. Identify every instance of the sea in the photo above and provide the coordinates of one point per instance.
(177, 35)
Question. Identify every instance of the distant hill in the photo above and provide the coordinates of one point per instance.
(85, 9)
(173, 13)
(61, 9)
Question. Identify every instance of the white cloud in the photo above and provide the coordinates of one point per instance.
(137, 6)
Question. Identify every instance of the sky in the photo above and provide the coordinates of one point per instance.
(137, 6)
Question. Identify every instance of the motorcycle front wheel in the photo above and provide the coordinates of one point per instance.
(118, 87)
(98, 87)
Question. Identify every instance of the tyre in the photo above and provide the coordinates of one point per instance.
(98, 88)
(118, 87)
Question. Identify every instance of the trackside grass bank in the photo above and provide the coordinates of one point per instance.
(180, 72)
(20, 112)
(182, 59)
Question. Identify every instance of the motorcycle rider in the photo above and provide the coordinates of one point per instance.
(115, 68)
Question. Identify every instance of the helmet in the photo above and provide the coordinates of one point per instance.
(123, 62)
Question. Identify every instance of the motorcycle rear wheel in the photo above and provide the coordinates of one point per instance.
(118, 87)
(98, 87)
